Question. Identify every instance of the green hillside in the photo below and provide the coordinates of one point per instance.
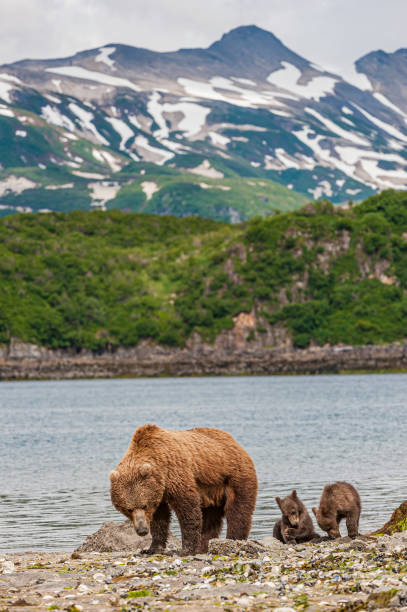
(103, 279)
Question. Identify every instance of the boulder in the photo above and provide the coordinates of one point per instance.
(117, 537)
(397, 522)
(234, 547)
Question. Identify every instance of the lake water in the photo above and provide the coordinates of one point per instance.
(60, 439)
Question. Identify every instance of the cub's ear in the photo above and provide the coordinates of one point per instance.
(294, 493)
(314, 510)
(114, 474)
(145, 469)
(278, 500)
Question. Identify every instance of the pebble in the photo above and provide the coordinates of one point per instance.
(328, 575)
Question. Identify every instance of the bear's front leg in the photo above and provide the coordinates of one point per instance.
(189, 515)
(289, 534)
(159, 528)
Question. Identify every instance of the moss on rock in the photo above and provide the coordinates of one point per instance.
(397, 522)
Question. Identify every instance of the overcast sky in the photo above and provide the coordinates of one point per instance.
(332, 33)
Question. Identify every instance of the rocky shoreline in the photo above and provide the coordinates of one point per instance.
(26, 361)
(367, 573)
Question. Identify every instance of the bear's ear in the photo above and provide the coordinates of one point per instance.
(278, 500)
(114, 474)
(294, 494)
(145, 469)
(314, 510)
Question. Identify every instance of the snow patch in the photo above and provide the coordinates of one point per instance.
(52, 115)
(57, 84)
(15, 184)
(55, 187)
(358, 79)
(386, 102)
(288, 76)
(5, 89)
(390, 129)
(205, 169)
(347, 110)
(336, 129)
(191, 124)
(149, 188)
(122, 129)
(77, 72)
(103, 192)
(104, 57)
(9, 77)
(85, 119)
(324, 188)
(6, 112)
(52, 99)
(133, 120)
(243, 97)
(219, 139)
(159, 156)
(221, 187)
(21, 133)
(88, 175)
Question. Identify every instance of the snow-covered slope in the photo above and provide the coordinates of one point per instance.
(246, 100)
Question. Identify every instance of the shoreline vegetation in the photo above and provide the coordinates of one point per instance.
(102, 284)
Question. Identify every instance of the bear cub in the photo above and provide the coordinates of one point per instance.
(296, 524)
(339, 500)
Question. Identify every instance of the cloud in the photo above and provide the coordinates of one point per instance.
(332, 33)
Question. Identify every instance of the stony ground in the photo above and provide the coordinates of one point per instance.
(343, 575)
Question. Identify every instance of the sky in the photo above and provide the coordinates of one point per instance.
(331, 33)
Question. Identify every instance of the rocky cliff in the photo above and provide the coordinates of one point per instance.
(227, 355)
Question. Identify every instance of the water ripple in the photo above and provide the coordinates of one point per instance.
(60, 439)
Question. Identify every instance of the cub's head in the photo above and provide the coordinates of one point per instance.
(136, 492)
(326, 523)
(290, 508)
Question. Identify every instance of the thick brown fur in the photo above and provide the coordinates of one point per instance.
(202, 474)
(296, 524)
(339, 500)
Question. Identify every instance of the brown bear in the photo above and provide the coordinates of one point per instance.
(339, 500)
(202, 474)
(296, 524)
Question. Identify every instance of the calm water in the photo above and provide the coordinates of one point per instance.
(59, 440)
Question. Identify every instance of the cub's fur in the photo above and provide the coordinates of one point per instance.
(339, 500)
(296, 524)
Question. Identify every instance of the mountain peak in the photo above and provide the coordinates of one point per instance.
(257, 49)
(251, 35)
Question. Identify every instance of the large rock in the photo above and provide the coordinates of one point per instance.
(397, 522)
(117, 537)
(233, 547)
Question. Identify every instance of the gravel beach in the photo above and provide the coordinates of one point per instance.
(346, 575)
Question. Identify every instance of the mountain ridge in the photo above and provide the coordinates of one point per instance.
(247, 100)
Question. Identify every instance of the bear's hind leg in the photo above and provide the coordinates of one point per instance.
(211, 525)
(159, 528)
(352, 524)
(239, 508)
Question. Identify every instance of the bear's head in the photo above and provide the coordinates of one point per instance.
(137, 491)
(326, 523)
(290, 508)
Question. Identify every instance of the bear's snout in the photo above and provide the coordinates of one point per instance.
(140, 522)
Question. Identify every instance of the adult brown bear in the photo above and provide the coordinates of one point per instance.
(202, 474)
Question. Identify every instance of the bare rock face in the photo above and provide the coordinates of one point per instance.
(397, 522)
(117, 537)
